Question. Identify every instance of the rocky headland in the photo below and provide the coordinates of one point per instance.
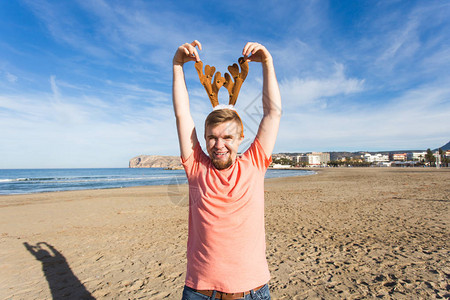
(155, 161)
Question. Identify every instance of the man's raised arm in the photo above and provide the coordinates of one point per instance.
(268, 128)
(187, 135)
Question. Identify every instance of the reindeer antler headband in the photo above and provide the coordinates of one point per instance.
(231, 82)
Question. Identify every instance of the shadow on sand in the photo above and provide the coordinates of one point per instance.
(61, 280)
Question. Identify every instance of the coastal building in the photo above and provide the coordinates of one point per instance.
(324, 157)
(374, 158)
(418, 156)
(302, 158)
(399, 157)
(314, 158)
(298, 158)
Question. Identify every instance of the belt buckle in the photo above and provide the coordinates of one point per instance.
(231, 296)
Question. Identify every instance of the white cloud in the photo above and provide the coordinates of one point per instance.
(55, 89)
(11, 78)
(400, 44)
(311, 92)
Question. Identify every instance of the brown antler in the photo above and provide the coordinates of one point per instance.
(239, 77)
(212, 88)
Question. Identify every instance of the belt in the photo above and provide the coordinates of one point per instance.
(227, 296)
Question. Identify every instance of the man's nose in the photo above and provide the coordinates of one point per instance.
(219, 143)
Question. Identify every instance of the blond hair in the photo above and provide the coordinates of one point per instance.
(220, 116)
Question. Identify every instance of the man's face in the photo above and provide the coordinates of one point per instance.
(222, 143)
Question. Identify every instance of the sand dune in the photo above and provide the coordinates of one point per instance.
(343, 233)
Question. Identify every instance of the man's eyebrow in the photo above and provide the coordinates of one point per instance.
(228, 136)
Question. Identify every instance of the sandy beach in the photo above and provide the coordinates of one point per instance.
(345, 233)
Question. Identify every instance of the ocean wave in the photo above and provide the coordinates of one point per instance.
(90, 179)
(7, 180)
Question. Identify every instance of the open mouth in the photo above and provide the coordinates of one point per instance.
(221, 155)
(221, 159)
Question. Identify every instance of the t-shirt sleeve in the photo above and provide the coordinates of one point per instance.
(191, 164)
(257, 156)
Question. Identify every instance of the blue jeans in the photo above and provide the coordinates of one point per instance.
(261, 294)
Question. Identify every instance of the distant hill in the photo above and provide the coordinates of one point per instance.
(445, 147)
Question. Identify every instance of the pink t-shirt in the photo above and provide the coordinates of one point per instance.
(226, 242)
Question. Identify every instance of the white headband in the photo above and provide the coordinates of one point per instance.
(224, 106)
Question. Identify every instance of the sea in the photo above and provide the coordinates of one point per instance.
(28, 181)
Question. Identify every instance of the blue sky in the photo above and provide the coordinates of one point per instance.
(88, 83)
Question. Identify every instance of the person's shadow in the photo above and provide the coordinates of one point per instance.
(61, 280)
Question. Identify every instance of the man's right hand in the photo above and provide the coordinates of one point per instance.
(187, 52)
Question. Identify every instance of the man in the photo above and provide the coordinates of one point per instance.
(226, 239)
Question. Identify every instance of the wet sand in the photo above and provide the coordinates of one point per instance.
(343, 233)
